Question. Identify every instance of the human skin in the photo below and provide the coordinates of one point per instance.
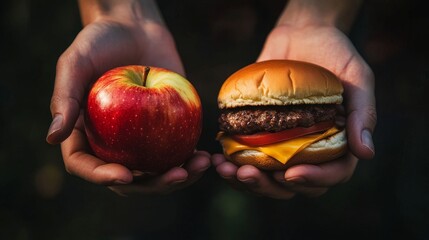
(115, 33)
(316, 31)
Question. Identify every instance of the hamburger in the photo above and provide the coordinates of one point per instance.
(279, 113)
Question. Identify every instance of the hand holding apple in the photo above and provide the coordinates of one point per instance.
(109, 40)
(145, 118)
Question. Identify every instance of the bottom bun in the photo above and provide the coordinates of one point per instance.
(321, 151)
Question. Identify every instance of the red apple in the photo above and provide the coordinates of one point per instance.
(145, 118)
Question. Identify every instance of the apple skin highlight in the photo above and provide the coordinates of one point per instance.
(149, 128)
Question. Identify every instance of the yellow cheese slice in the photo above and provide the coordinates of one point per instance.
(282, 151)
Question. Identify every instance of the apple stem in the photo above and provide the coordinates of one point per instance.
(146, 72)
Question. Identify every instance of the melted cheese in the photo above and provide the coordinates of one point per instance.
(282, 151)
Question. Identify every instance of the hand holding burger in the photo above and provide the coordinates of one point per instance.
(277, 114)
(315, 31)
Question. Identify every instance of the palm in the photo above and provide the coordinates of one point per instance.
(105, 45)
(325, 46)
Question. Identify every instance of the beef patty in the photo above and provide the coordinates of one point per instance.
(249, 120)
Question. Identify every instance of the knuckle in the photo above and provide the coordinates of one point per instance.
(65, 59)
(55, 102)
(372, 112)
(61, 104)
(372, 115)
(68, 169)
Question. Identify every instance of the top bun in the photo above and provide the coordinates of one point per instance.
(280, 82)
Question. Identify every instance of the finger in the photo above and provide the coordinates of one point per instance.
(217, 159)
(173, 180)
(361, 109)
(198, 163)
(196, 166)
(279, 176)
(161, 184)
(260, 183)
(79, 162)
(322, 175)
(227, 170)
(360, 127)
(99, 172)
(66, 102)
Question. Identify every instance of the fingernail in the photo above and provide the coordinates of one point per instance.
(137, 173)
(298, 180)
(248, 180)
(56, 124)
(366, 139)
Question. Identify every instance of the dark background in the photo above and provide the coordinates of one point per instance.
(387, 197)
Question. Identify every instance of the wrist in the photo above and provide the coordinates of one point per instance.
(135, 11)
(332, 13)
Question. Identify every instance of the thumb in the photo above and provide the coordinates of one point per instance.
(361, 115)
(72, 75)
